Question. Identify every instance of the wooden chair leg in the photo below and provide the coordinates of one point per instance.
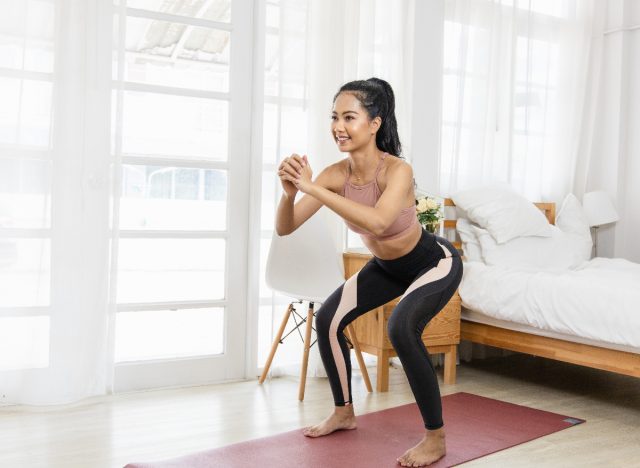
(276, 342)
(307, 346)
(382, 382)
(356, 347)
(450, 365)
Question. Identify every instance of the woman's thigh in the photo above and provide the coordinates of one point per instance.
(425, 297)
(371, 287)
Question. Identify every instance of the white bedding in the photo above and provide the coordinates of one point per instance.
(599, 300)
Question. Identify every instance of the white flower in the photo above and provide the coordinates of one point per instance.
(422, 205)
(432, 204)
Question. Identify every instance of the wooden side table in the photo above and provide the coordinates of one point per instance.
(441, 335)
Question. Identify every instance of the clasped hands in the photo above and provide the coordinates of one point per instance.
(295, 171)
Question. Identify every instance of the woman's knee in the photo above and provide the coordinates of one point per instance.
(325, 314)
(399, 332)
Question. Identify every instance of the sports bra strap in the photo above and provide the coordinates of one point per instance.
(384, 155)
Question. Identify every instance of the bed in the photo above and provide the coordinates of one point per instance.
(533, 317)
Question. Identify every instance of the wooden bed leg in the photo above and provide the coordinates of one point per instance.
(382, 381)
(450, 365)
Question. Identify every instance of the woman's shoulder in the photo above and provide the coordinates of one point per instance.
(338, 169)
(396, 165)
(335, 175)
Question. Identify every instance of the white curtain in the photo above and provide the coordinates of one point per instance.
(610, 159)
(514, 85)
(342, 41)
(54, 201)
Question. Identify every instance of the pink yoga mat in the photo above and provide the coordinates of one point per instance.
(475, 426)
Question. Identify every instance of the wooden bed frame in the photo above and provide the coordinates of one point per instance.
(620, 362)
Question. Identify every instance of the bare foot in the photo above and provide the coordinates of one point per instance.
(431, 448)
(342, 418)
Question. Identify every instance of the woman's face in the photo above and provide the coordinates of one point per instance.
(350, 124)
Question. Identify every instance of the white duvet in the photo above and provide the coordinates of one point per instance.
(599, 300)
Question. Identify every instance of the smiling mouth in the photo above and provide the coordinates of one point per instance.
(342, 139)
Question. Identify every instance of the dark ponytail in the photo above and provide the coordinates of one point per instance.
(377, 97)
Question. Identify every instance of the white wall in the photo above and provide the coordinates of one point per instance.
(614, 164)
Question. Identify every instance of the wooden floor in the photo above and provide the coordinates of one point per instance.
(145, 426)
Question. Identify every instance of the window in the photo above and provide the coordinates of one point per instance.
(502, 101)
(26, 164)
(179, 292)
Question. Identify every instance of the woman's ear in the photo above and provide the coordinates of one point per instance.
(376, 123)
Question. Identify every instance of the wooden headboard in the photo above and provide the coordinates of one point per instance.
(548, 208)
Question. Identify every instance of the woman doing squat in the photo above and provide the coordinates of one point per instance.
(372, 189)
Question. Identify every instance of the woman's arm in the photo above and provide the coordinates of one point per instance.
(290, 215)
(375, 219)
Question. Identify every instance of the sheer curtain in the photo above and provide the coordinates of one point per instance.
(54, 201)
(514, 85)
(322, 44)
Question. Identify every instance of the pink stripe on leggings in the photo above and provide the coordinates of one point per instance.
(440, 271)
(348, 302)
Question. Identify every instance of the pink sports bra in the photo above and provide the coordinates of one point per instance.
(368, 194)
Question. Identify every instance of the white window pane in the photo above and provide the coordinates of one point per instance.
(35, 113)
(25, 272)
(292, 78)
(271, 65)
(30, 48)
(216, 10)
(24, 342)
(265, 244)
(536, 61)
(25, 113)
(156, 124)
(167, 334)
(354, 240)
(452, 37)
(25, 199)
(450, 96)
(174, 54)
(268, 206)
(558, 8)
(478, 50)
(448, 145)
(272, 15)
(270, 134)
(475, 105)
(265, 332)
(293, 132)
(180, 198)
(162, 270)
(9, 110)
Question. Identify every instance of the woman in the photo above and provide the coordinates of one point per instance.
(372, 190)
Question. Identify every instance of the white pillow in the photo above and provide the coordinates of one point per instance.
(569, 244)
(470, 244)
(502, 212)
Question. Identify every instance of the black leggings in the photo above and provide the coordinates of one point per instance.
(426, 278)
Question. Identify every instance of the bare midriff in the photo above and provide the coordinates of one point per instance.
(393, 248)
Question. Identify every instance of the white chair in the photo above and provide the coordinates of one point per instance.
(306, 265)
